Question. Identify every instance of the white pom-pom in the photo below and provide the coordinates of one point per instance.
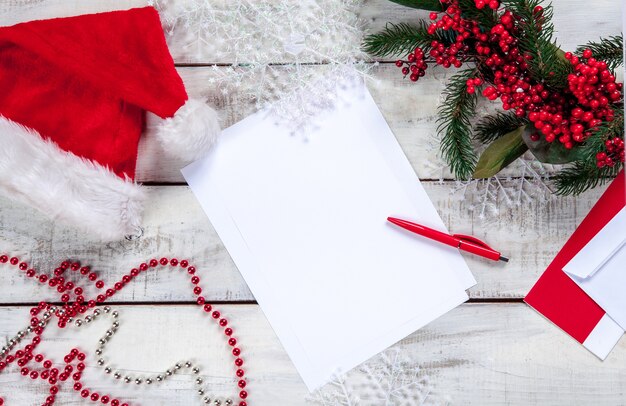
(191, 132)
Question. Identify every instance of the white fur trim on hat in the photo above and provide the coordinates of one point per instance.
(66, 187)
(191, 132)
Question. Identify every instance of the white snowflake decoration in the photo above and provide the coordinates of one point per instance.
(389, 379)
(485, 196)
(290, 54)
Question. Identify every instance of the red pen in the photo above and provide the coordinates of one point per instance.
(462, 242)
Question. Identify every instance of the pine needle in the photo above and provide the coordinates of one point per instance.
(584, 173)
(454, 125)
(609, 50)
(536, 40)
(486, 17)
(398, 39)
(490, 128)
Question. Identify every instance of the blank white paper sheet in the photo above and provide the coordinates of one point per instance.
(304, 220)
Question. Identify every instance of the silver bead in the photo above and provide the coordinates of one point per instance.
(229, 402)
(127, 379)
(109, 333)
(96, 312)
(116, 324)
(199, 381)
(99, 351)
(196, 370)
(88, 319)
(217, 402)
(188, 364)
(42, 323)
(29, 329)
(106, 309)
(107, 370)
(177, 366)
(53, 309)
(102, 341)
(148, 381)
(138, 381)
(3, 352)
(117, 375)
(159, 378)
(100, 362)
(70, 319)
(20, 334)
(168, 373)
(78, 323)
(200, 391)
(115, 314)
(207, 400)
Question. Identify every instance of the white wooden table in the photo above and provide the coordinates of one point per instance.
(494, 350)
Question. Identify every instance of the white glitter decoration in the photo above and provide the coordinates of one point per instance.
(389, 379)
(290, 54)
(485, 196)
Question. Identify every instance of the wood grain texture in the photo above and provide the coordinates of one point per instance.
(574, 22)
(175, 225)
(478, 354)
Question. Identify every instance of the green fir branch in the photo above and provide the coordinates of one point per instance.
(486, 17)
(490, 128)
(536, 39)
(398, 39)
(454, 125)
(584, 174)
(609, 50)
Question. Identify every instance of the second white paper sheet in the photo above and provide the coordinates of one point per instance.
(304, 220)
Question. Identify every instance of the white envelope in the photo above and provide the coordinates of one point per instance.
(305, 222)
(600, 268)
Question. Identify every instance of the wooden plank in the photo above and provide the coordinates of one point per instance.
(478, 354)
(575, 22)
(409, 108)
(530, 234)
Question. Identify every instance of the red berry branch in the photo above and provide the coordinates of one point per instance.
(568, 105)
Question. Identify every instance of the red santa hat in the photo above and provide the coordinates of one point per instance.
(72, 108)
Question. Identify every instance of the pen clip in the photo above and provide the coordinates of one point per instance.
(472, 240)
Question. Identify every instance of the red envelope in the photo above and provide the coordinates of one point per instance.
(559, 299)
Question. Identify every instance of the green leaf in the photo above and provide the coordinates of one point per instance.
(550, 152)
(500, 154)
(432, 5)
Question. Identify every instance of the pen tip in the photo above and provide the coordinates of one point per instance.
(504, 259)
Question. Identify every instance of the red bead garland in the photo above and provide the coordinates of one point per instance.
(73, 307)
